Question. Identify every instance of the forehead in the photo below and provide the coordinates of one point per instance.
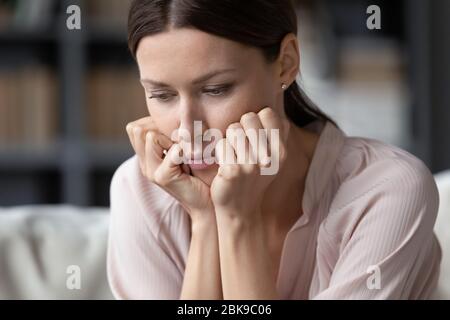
(190, 50)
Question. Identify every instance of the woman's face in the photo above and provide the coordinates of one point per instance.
(189, 75)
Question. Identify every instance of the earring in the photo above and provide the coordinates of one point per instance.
(284, 86)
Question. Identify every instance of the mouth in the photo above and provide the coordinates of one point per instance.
(200, 164)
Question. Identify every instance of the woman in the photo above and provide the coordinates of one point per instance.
(342, 217)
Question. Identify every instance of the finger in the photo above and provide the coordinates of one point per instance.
(139, 145)
(257, 137)
(276, 128)
(225, 153)
(170, 168)
(156, 146)
(129, 129)
(158, 141)
(270, 119)
(145, 123)
(226, 157)
(236, 138)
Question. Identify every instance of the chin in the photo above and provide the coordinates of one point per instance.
(206, 175)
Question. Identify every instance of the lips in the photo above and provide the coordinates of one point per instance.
(200, 164)
(197, 167)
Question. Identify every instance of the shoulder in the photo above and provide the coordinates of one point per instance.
(362, 156)
(131, 193)
(367, 164)
(374, 175)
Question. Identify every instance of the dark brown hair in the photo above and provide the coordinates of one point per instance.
(257, 23)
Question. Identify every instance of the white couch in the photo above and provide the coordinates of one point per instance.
(442, 229)
(39, 243)
(38, 246)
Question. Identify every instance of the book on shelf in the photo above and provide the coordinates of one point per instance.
(114, 98)
(28, 112)
(108, 12)
(26, 14)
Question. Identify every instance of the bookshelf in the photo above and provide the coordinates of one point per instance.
(66, 147)
(420, 29)
(71, 155)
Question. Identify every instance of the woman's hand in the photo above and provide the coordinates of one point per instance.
(156, 153)
(238, 188)
(237, 191)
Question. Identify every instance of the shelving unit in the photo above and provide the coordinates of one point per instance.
(421, 28)
(74, 168)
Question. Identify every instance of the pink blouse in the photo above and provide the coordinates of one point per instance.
(366, 231)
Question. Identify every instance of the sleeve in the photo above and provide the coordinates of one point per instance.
(390, 252)
(138, 267)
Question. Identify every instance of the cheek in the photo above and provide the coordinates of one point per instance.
(164, 120)
(249, 99)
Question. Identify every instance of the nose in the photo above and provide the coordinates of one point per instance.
(191, 128)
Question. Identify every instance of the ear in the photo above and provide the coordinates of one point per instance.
(289, 59)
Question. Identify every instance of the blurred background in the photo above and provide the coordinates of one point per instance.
(66, 96)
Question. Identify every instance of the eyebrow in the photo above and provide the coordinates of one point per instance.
(200, 79)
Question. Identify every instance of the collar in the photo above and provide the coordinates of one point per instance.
(322, 166)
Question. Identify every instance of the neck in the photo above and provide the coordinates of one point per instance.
(282, 205)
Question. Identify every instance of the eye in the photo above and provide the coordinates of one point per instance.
(217, 91)
(162, 97)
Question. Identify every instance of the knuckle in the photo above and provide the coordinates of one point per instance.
(248, 116)
(227, 172)
(266, 113)
(251, 169)
(234, 126)
(151, 137)
(137, 130)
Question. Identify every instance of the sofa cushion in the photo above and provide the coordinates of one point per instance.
(442, 229)
(38, 246)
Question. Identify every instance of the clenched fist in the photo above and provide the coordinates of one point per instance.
(157, 159)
